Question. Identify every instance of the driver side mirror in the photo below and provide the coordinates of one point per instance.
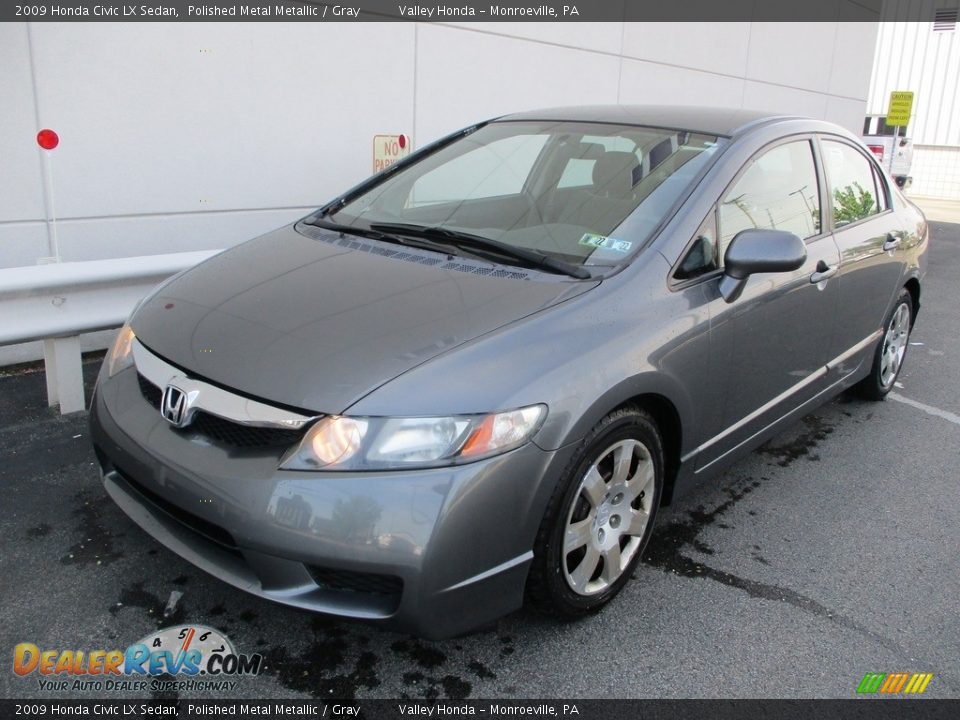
(759, 251)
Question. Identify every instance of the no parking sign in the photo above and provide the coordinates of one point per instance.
(388, 149)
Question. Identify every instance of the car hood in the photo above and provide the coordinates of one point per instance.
(318, 322)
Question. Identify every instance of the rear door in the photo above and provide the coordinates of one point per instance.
(772, 344)
(868, 235)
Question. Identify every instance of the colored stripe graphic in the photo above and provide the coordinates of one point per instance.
(894, 683)
(871, 682)
(914, 683)
(889, 682)
(900, 683)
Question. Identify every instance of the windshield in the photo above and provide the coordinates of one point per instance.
(581, 193)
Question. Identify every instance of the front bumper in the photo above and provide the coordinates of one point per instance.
(432, 552)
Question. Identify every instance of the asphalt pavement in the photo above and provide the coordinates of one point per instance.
(828, 553)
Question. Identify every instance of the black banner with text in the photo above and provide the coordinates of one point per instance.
(863, 709)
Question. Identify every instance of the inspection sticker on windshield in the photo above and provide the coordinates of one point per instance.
(607, 243)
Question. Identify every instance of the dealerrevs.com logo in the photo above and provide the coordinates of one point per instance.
(185, 657)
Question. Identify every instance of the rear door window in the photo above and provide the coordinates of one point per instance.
(852, 184)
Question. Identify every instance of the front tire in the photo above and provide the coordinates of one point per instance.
(891, 350)
(600, 517)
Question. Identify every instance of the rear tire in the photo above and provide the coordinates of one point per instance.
(600, 517)
(891, 350)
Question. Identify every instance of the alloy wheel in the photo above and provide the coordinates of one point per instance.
(608, 517)
(895, 345)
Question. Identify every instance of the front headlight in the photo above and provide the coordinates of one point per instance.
(376, 443)
(121, 352)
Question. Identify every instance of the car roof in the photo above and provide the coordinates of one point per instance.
(710, 120)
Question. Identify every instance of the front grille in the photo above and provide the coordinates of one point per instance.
(360, 582)
(151, 393)
(224, 431)
(209, 530)
(231, 433)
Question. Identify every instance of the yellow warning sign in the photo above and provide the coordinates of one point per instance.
(901, 106)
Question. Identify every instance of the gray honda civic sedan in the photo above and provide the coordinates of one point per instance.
(470, 381)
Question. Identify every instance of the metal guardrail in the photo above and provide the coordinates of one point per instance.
(57, 303)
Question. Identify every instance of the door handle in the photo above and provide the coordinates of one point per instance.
(892, 242)
(823, 272)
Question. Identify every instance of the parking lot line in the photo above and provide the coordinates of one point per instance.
(929, 409)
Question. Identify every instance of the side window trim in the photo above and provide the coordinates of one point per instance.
(877, 187)
(678, 283)
(877, 177)
(823, 187)
(883, 188)
(822, 192)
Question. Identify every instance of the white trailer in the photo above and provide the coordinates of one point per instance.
(892, 147)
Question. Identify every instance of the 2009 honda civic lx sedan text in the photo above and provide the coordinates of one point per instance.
(470, 381)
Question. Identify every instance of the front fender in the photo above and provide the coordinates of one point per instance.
(652, 388)
(582, 358)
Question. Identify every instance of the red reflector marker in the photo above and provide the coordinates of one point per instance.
(47, 139)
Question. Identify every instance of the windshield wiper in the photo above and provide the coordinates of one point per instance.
(456, 238)
(376, 234)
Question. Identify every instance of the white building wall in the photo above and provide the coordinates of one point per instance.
(911, 56)
(936, 172)
(195, 136)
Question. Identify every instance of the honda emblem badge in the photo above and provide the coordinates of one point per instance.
(174, 408)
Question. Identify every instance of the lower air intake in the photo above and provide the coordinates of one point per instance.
(369, 583)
